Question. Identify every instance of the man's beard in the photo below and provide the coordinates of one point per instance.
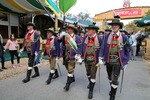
(115, 30)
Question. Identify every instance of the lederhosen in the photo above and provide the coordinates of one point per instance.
(90, 58)
(114, 66)
(48, 47)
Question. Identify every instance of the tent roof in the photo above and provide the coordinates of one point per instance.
(23, 6)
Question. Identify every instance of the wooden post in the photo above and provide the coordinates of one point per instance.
(9, 25)
(56, 23)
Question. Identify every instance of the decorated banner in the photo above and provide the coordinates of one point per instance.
(129, 12)
(65, 5)
(72, 43)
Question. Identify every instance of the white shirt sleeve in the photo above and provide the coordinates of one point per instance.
(137, 34)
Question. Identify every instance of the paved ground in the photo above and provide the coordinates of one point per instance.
(136, 86)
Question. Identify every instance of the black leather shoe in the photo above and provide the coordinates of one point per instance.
(68, 83)
(27, 79)
(49, 78)
(36, 72)
(56, 75)
(89, 83)
(90, 96)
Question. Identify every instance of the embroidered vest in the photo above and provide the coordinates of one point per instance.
(90, 49)
(50, 46)
(114, 46)
(114, 49)
(28, 41)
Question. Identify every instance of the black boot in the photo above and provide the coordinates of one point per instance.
(3, 66)
(1, 70)
(89, 82)
(90, 96)
(112, 93)
(69, 79)
(56, 74)
(72, 79)
(36, 72)
(27, 79)
(49, 78)
(110, 86)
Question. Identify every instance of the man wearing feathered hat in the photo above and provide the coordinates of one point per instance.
(72, 52)
(32, 44)
(115, 53)
(90, 46)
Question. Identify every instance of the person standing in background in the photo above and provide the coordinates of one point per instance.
(140, 38)
(12, 45)
(134, 37)
(108, 30)
(39, 53)
(2, 53)
(82, 33)
(101, 34)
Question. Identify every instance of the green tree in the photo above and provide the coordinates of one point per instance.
(132, 27)
(148, 13)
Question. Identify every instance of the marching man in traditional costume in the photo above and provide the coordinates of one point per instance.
(115, 52)
(52, 49)
(72, 51)
(32, 44)
(90, 47)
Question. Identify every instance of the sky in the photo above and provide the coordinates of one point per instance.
(98, 6)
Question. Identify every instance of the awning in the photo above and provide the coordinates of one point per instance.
(23, 6)
(143, 22)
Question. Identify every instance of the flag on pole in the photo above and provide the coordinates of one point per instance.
(71, 41)
(53, 7)
(65, 5)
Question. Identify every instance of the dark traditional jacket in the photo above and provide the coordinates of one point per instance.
(34, 42)
(123, 52)
(54, 48)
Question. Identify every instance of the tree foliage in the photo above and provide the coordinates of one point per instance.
(148, 13)
(130, 27)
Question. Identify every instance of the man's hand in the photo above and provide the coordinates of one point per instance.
(124, 67)
(77, 56)
(100, 61)
(36, 53)
(17, 46)
(57, 58)
(80, 60)
(21, 50)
